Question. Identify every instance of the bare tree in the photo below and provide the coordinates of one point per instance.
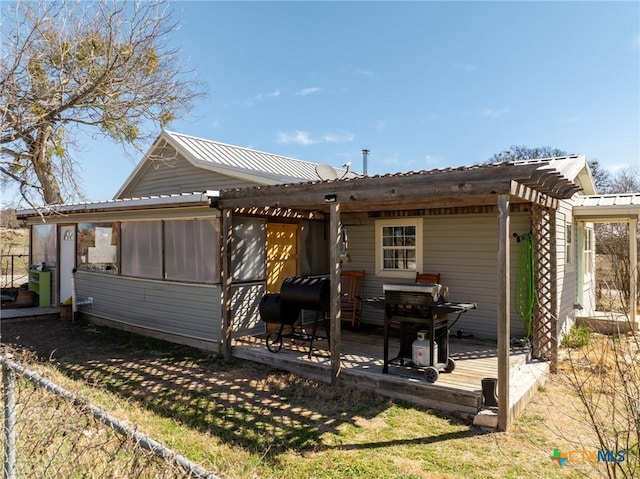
(613, 242)
(70, 68)
(601, 177)
(521, 152)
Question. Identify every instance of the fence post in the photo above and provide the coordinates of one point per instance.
(9, 387)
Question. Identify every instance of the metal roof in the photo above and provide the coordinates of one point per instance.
(208, 153)
(236, 161)
(608, 206)
(160, 201)
(538, 180)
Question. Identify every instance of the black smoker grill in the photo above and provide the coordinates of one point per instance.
(420, 307)
(296, 293)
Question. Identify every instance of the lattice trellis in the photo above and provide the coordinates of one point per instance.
(545, 311)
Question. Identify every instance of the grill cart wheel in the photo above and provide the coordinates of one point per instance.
(451, 365)
(274, 342)
(431, 374)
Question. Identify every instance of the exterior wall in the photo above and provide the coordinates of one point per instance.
(178, 176)
(462, 248)
(183, 313)
(567, 268)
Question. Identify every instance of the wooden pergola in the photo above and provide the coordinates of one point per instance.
(493, 186)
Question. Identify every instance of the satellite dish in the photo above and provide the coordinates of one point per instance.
(326, 172)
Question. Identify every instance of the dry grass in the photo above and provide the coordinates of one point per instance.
(245, 420)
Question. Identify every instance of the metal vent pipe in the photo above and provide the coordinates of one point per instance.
(365, 157)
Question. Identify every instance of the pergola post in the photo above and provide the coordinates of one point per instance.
(335, 240)
(227, 326)
(633, 268)
(504, 312)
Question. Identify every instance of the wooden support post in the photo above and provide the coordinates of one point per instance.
(227, 326)
(504, 312)
(633, 262)
(335, 237)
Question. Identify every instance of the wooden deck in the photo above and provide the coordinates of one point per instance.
(8, 313)
(459, 391)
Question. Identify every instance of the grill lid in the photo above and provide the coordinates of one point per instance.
(435, 290)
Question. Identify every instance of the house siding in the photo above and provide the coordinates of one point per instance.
(175, 309)
(567, 268)
(178, 176)
(462, 248)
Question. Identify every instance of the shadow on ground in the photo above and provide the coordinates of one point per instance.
(240, 402)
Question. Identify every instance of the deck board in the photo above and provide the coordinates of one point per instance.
(362, 364)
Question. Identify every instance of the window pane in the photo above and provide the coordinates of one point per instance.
(192, 250)
(387, 236)
(98, 247)
(398, 247)
(142, 249)
(43, 245)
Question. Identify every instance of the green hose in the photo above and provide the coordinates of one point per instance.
(525, 281)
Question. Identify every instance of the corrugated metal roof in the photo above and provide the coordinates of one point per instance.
(182, 199)
(541, 177)
(623, 199)
(208, 153)
(608, 206)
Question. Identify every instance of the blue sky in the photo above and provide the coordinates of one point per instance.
(421, 84)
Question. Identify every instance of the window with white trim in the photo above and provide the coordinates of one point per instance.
(568, 243)
(588, 250)
(398, 247)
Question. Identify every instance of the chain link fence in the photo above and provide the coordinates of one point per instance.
(49, 432)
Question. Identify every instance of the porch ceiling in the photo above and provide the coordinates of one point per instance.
(466, 186)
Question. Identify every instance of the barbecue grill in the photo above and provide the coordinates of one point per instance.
(284, 308)
(424, 307)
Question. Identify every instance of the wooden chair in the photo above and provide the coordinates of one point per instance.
(351, 301)
(428, 278)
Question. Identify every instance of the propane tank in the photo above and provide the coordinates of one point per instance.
(421, 348)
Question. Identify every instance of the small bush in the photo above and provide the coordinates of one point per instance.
(577, 337)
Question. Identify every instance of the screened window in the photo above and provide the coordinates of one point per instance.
(248, 252)
(43, 245)
(97, 247)
(141, 249)
(398, 247)
(192, 250)
(315, 258)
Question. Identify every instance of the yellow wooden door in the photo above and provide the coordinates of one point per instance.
(282, 254)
